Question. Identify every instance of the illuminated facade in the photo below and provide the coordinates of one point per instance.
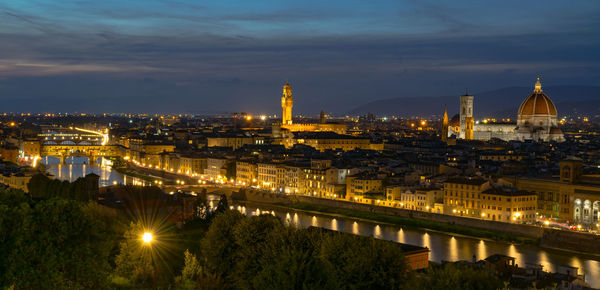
(246, 173)
(537, 120)
(466, 117)
(573, 198)
(478, 198)
(287, 102)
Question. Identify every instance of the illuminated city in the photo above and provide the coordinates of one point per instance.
(346, 145)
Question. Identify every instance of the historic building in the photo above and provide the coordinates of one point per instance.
(466, 117)
(537, 120)
(573, 197)
(480, 198)
(287, 102)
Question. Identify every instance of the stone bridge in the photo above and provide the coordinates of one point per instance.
(65, 142)
(92, 152)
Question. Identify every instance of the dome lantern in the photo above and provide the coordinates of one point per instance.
(538, 87)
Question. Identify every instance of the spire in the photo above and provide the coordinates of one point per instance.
(445, 125)
(445, 118)
(538, 86)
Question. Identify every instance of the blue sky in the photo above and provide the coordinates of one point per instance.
(234, 55)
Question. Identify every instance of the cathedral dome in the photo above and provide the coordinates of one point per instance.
(537, 103)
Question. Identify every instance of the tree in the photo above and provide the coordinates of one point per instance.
(452, 276)
(14, 207)
(134, 263)
(37, 185)
(291, 261)
(251, 235)
(59, 245)
(193, 275)
(295, 268)
(363, 262)
(222, 205)
(218, 245)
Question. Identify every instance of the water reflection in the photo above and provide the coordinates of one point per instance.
(426, 240)
(453, 250)
(71, 171)
(355, 228)
(377, 231)
(543, 260)
(481, 250)
(400, 236)
(512, 251)
(449, 248)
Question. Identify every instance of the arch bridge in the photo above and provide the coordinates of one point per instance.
(63, 143)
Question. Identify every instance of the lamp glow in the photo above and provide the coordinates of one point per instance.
(147, 237)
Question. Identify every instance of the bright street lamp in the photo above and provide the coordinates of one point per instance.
(147, 237)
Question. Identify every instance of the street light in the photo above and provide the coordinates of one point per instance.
(147, 237)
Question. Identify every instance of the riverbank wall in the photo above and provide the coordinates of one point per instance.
(528, 231)
(549, 238)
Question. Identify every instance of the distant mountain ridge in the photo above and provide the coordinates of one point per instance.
(500, 103)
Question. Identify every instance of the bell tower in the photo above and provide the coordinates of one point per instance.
(466, 117)
(287, 102)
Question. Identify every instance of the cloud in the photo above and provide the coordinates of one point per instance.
(215, 59)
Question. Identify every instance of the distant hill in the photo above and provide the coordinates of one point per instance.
(501, 103)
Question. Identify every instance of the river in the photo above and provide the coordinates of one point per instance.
(76, 168)
(444, 247)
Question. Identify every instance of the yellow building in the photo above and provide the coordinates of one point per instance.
(233, 141)
(287, 102)
(269, 176)
(246, 173)
(573, 198)
(365, 188)
(462, 196)
(216, 168)
(316, 127)
(192, 165)
(508, 205)
(31, 147)
(331, 141)
(293, 179)
(147, 152)
(478, 198)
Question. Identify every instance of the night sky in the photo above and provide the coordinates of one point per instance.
(229, 56)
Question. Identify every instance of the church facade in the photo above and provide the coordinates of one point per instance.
(537, 120)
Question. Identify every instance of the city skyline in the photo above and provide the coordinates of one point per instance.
(234, 57)
(184, 144)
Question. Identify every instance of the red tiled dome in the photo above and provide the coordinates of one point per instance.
(537, 103)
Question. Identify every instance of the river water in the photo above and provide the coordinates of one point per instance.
(444, 247)
(76, 168)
